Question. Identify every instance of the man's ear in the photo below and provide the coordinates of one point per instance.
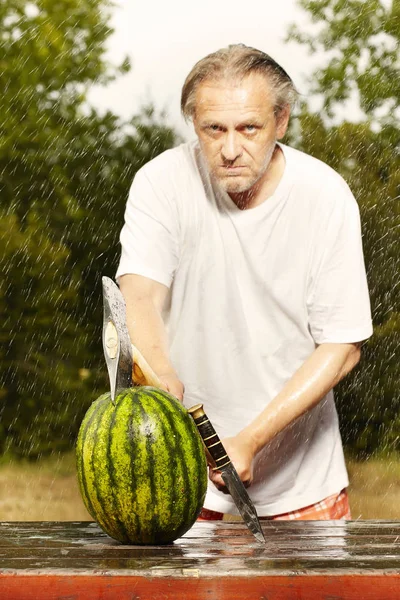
(195, 123)
(282, 121)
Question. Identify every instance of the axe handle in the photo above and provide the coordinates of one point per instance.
(142, 373)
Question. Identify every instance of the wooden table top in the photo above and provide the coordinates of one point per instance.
(299, 557)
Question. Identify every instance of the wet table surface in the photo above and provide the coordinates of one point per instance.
(214, 560)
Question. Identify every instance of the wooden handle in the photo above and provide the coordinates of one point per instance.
(210, 438)
(142, 373)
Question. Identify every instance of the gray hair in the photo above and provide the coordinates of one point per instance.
(235, 62)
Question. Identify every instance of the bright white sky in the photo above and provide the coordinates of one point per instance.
(165, 39)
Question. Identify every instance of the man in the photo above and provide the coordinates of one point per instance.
(243, 273)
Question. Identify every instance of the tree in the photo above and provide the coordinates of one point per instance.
(359, 41)
(65, 172)
(37, 303)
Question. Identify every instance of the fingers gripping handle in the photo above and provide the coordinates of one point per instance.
(210, 438)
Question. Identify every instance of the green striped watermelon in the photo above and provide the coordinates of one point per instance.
(141, 466)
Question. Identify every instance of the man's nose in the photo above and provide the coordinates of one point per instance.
(231, 148)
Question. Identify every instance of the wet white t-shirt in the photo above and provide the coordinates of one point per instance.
(251, 295)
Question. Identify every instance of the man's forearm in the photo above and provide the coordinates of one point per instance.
(147, 332)
(144, 301)
(326, 366)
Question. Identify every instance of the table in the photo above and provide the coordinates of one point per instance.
(213, 561)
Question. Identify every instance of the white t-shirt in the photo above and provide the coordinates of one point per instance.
(251, 294)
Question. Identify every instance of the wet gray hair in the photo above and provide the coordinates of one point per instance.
(236, 62)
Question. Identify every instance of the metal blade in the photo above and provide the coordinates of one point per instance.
(242, 501)
(116, 341)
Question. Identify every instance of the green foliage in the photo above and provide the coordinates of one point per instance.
(65, 172)
(38, 333)
(360, 39)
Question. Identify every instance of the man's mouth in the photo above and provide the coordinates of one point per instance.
(232, 168)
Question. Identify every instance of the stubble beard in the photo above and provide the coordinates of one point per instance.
(244, 191)
(238, 185)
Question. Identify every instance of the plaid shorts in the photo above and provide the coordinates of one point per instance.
(333, 507)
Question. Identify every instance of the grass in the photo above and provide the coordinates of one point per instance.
(44, 491)
(375, 488)
(48, 490)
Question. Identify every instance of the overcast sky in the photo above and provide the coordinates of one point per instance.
(165, 39)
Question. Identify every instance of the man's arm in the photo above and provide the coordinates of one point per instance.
(326, 366)
(145, 299)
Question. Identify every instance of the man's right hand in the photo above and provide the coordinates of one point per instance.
(173, 385)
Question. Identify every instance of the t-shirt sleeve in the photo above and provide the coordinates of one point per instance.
(338, 304)
(149, 237)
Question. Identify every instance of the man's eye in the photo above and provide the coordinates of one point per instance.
(250, 128)
(214, 127)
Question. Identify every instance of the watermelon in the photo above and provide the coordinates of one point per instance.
(141, 465)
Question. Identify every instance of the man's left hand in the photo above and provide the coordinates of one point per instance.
(240, 450)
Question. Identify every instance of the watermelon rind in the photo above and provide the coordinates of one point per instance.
(141, 466)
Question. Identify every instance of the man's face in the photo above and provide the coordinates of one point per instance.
(237, 130)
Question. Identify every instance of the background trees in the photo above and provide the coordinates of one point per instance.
(65, 171)
(360, 75)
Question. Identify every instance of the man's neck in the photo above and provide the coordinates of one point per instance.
(265, 187)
